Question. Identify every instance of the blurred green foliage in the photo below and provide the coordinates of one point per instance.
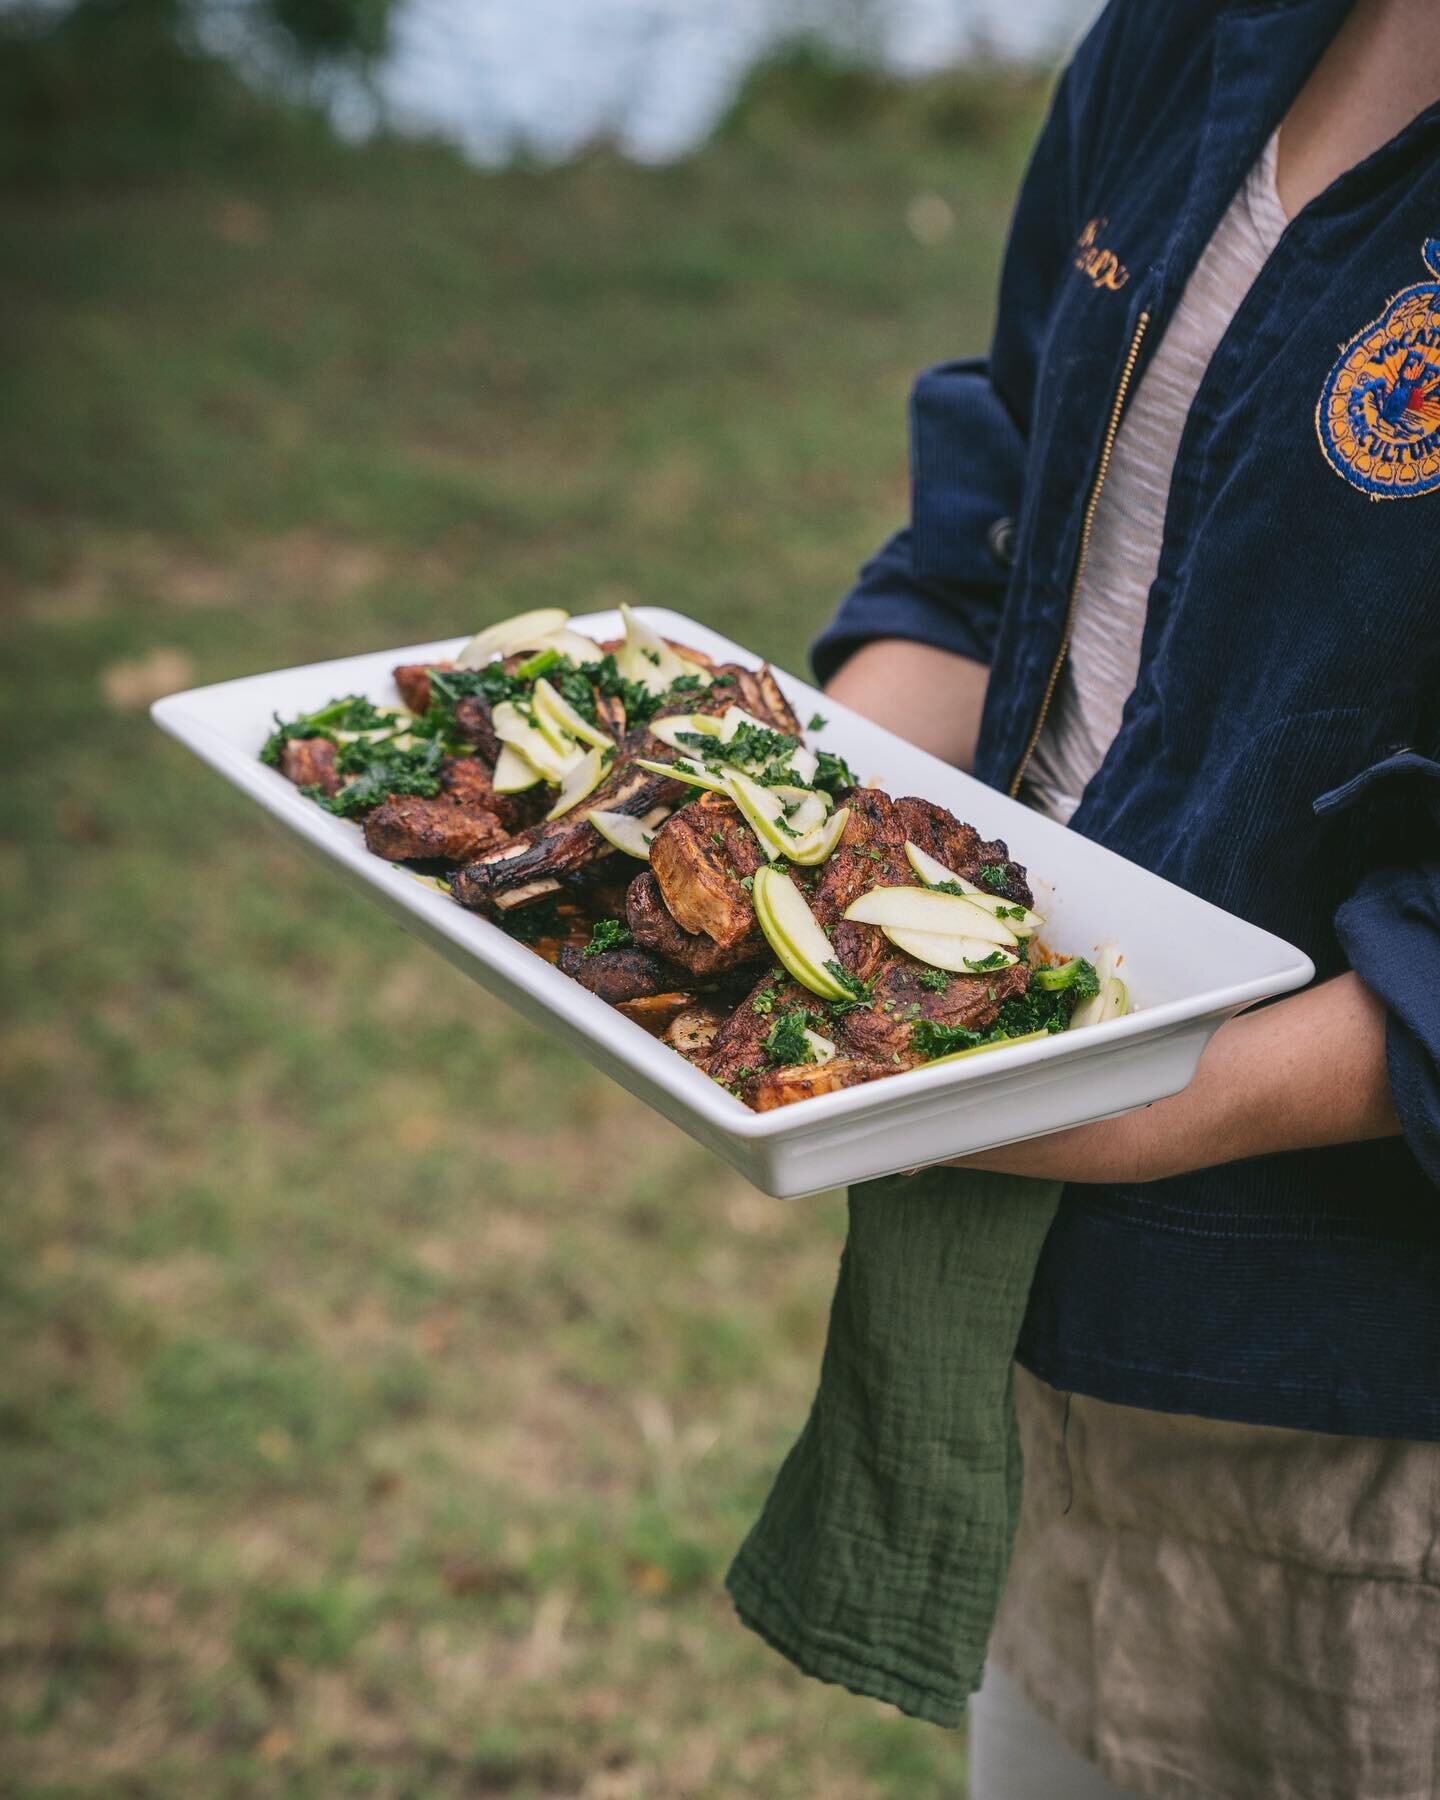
(381, 1390)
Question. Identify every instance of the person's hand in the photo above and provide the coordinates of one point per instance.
(1302, 1073)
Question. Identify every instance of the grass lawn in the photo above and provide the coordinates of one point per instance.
(382, 1392)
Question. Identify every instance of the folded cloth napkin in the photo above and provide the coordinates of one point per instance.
(879, 1559)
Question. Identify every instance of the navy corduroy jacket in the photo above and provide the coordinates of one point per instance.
(1279, 753)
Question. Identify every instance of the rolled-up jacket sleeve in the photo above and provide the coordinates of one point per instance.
(942, 580)
(1390, 932)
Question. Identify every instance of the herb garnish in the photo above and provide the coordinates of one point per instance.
(785, 1042)
(352, 712)
(608, 934)
(992, 875)
(859, 993)
(935, 979)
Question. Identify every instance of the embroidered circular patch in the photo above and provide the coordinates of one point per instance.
(1379, 413)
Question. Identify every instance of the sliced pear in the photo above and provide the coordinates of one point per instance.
(583, 779)
(646, 657)
(934, 874)
(623, 831)
(1024, 1037)
(554, 713)
(793, 933)
(822, 842)
(514, 771)
(685, 770)
(524, 631)
(964, 956)
(921, 909)
(669, 728)
(823, 1047)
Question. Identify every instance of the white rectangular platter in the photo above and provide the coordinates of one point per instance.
(1189, 966)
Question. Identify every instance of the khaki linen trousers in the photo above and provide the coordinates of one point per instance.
(1212, 1611)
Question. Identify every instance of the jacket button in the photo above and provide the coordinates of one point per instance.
(1001, 539)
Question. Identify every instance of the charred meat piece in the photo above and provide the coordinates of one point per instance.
(652, 924)
(470, 781)
(413, 681)
(779, 1087)
(533, 865)
(699, 858)
(870, 854)
(739, 1048)
(474, 724)
(629, 973)
(881, 1031)
(408, 829)
(961, 848)
(692, 1032)
(310, 762)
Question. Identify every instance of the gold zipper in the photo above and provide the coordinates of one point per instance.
(1086, 525)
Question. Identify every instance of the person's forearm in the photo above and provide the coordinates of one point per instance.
(930, 697)
(1301, 1074)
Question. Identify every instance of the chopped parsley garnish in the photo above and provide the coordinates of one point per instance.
(859, 993)
(935, 979)
(1009, 912)
(992, 875)
(608, 934)
(753, 747)
(763, 1000)
(785, 1042)
(492, 683)
(818, 722)
(833, 773)
(747, 882)
(995, 960)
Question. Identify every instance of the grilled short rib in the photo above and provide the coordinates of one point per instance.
(699, 858)
(534, 864)
(873, 1039)
(405, 828)
(653, 925)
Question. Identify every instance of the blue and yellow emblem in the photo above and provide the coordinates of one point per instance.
(1379, 411)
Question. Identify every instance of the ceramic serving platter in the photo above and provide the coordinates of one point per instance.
(1188, 965)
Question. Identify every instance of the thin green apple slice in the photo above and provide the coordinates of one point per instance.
(764, 812)
(559, 720)
(523, 631)
(514, 771)
(1024, 1037)
(669, 729)
(1113, 999)
(934, 874)
(623, 831)
(583, 779)
(794, 934)
(822, 842)
(684, 770)
(963, 956)
(792, 796)
(512, 727)
(922, 909)
(804, 764)
(823, 1047)
(646, 657)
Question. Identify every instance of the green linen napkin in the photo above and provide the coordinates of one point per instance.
(879, 1559)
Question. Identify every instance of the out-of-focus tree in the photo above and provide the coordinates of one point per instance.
(106, 88)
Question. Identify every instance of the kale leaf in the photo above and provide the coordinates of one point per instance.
(607, 934)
